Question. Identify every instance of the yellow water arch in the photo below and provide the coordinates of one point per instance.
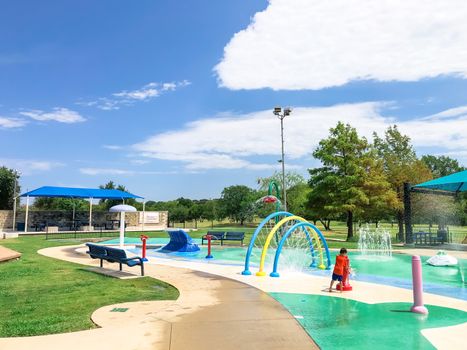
(271, 235)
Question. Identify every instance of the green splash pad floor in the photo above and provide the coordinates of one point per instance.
(338, 323)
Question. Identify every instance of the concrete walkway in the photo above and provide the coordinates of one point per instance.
(219, 308)
(212, 312)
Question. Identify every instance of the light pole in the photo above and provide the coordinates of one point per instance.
(14, 200)
(281, 114)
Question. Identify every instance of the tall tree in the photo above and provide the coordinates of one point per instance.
(350, 179)
(8, 179)
(400, 165)
(237, 203)
(211, 211)
(441, 165)
(106, 204)
(56, 203)
(294, 184)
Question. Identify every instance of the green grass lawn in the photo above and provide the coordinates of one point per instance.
(40, 295)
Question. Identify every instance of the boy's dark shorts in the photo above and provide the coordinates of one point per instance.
(336, 277)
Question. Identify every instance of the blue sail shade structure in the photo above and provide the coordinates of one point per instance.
(456, 182)
(73, 192)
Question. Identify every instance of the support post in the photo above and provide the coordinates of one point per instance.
(144, 214)
(143, 248)
(408, 214)
(283, 165)
(122, 229)
(14, 214)
(14, 202)
(209, 256)
(90, 213)
(27, 214)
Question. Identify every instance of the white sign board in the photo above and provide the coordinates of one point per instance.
(150, 217)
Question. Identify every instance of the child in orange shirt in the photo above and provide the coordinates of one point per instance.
(342, 265)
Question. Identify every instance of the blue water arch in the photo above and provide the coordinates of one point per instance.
(306, 225)
(255, 234)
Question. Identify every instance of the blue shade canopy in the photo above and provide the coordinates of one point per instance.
(456, 182)
(70, 192)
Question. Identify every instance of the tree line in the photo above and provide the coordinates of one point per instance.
(358, 180)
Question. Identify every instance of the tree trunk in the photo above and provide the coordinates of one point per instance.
(349, 225)
(325, 223)
(328, 225)
(400, 222)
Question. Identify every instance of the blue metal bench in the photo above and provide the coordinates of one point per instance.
(97, 252)
(233, 236)
(113, 255)
(216, 235)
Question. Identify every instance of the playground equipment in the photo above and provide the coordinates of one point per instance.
(344, 285)
(376, 243)
(293, 232)
(417, 284)
(122, 209)
(180, 241)
(209, 256)
(442, 259)
(143, 248)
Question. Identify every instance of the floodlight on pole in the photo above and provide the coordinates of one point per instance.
(281, 114)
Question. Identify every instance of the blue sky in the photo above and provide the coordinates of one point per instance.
(174, 98)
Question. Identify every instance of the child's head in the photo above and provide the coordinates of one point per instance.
(343, 251)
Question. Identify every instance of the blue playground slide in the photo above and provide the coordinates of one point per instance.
(180, 241)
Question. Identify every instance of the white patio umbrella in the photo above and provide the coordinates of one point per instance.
(122, 209)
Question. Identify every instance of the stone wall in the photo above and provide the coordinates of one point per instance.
(64, 218)
(6, 219)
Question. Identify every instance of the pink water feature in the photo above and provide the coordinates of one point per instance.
(417, 283)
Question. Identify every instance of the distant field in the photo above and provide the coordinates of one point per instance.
(338, 228)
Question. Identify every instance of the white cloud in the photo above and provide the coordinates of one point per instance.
(30, 166)
(58, 114)
(315, 44)
(449, 113)
(9, 123)
(129, 97)
(238, 141)
(104, 171)
(139, 161)
(146, 92)
(112, 147)
(114, 171)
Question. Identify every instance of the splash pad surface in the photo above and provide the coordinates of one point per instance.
(338, 323)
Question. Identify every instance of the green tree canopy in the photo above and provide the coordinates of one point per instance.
(297, 189)
(441, 165)
(106, 204)
(400, 165)
(237, 203)
(211, 211)
(8, 178)
(350, 179)
(64, 204)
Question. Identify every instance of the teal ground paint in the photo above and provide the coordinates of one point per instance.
(394, 271)
(338, 323)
